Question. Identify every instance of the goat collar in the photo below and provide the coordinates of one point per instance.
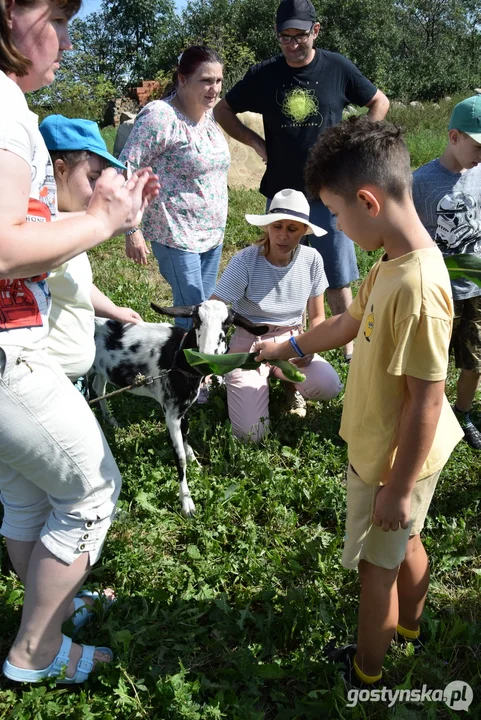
(181, 346)
(192, 370)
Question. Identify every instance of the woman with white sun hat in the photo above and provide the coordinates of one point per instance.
(272, 282)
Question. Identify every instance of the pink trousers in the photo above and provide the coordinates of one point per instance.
(248, 390)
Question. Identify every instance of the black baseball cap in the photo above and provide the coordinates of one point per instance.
(298, 14)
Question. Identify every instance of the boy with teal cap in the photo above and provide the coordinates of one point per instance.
(447, 196)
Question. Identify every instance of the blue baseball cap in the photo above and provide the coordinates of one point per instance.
(61, 133)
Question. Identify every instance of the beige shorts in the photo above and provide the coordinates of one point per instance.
(58, 479)
(364, 540)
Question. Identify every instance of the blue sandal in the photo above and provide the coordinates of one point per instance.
(82, 615)
(84, 666)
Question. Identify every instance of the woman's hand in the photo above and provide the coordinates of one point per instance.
(119, 204)
(136, 248)
(302, 362)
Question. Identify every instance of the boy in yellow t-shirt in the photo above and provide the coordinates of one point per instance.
(397, 422)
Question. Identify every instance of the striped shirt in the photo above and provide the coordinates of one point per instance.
(265, 293)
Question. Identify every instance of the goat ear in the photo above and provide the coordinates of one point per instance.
(246, 324)
(179, 311)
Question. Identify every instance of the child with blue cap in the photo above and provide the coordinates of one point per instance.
(79, 156)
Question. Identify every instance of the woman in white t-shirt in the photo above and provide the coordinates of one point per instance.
(79, 155)
(58, 480)
(271, 283)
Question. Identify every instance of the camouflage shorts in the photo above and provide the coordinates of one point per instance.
(466, 340)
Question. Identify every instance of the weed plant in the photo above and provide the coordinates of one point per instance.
(227, 615)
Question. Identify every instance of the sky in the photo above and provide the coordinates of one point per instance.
(89, 6)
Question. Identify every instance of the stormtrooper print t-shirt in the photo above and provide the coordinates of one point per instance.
(297, 105)
(449, 205)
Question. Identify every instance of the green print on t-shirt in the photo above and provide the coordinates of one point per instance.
(299, 104)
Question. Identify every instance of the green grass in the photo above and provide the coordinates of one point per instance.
(226, 615)
(108, 134)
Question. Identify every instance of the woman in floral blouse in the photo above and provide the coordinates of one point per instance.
(179, 138)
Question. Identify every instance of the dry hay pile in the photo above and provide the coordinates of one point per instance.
(246, 167)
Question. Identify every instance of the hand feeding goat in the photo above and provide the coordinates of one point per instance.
(125, 351)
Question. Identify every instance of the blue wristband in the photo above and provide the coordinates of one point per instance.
(296, 347)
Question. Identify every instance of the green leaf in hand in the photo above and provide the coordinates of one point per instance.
(222, 364)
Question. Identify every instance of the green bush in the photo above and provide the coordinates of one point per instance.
(426, 127)
(74, 99)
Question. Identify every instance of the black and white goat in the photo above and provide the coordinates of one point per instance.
(125, 351)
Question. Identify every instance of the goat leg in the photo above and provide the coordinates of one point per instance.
(189, 453)
(174, 426)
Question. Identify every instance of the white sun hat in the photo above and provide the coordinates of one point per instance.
(287, 205)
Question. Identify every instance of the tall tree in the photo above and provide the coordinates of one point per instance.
(439, 48)
(138, 29)
(215, 23)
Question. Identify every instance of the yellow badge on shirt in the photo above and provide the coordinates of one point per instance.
(369, 324)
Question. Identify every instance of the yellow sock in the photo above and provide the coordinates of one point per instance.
(367, 679)
(409, 634)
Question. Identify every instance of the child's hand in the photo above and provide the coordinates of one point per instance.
(391, 509)
(127, 315)
(268, 351)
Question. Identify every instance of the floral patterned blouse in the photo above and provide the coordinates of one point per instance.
(191, 160)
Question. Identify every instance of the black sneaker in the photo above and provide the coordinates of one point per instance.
(345, 656)
(471, 434)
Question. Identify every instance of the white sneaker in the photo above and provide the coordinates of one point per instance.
(296, 405)
(204, 394)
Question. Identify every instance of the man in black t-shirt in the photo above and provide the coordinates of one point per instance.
(299, 94)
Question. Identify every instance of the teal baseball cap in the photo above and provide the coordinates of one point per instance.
(72, 134)
(466, 117)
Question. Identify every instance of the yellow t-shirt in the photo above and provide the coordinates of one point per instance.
(405, 309)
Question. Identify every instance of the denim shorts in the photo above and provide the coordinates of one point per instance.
(58, 479)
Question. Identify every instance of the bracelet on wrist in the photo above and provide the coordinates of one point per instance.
(296, 347)
(131, 232)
